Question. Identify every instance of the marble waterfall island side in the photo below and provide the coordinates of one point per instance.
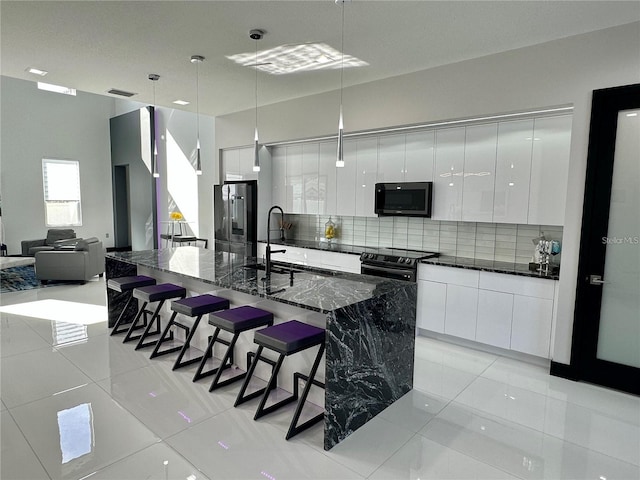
(370, 322)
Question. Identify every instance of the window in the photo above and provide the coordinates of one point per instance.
(61, 180)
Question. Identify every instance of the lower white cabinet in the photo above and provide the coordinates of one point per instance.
(495, 312)
(460, 311)
(499, 309)
(342, 262)
(432, 298)
(531, 326)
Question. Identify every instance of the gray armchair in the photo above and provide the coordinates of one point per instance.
(55, 236)
(75, 263)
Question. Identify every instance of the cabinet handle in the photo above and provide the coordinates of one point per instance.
(596, 280)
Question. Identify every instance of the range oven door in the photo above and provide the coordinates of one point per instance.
(385, 271)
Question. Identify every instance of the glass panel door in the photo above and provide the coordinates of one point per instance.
(619, 333)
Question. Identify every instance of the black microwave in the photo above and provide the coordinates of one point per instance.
(411, 199)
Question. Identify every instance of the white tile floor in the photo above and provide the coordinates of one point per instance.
(77, 403)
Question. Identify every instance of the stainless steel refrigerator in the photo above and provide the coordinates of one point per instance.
(235, 211)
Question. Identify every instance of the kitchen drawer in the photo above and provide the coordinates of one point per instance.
(449, 275)
(527, 286)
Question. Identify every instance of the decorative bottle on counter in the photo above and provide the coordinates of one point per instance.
(329, 230)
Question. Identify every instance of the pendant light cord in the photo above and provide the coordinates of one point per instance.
(342, 52)
(198, 99)
(256, 68)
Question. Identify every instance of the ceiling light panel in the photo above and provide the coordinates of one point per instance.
(181, 102)
(37, 71)
(49, 87)
(297, 58)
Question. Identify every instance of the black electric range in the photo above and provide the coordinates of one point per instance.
(393, 263)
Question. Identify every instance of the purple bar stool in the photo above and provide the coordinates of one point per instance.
(234, 321)
(286, 339)
(191, 307)
(127, 284)
(153, 293)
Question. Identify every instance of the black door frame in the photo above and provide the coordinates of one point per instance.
(595, 219)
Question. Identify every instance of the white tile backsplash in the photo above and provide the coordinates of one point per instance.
(486, 241)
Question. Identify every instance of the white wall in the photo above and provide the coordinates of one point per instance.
(37, 124)
(181, 126)
(563, 72)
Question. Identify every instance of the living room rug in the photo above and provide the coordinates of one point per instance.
(20, 278)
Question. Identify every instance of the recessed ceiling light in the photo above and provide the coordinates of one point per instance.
(632, 114)
(37, 71)
(297, 58)
(181, 102)
(49, 87)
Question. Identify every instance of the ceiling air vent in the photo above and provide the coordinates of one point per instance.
(122, 93)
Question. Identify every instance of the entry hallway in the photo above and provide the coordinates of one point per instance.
(77, 403)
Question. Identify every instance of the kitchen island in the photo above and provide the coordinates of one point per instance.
(370, 322)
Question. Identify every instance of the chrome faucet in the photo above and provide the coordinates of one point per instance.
(268, 250)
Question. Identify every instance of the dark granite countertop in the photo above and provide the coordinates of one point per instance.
(311, 288)
(521, 269)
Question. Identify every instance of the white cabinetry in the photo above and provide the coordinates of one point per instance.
(366, 169)
(310, 169)
(419, 156)
(479, 173)
(432, 298)
(449, 174)
(327, 178)
(503, 310)
(513, 170)
(278, 175)
(342, 262)
(237, 164)
(495, 311)
(531, 326)
(293, 179)
(461, 311)
(391, 158)
(346, 181)
(549, 170)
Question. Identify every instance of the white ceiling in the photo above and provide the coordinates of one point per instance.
(94, 46)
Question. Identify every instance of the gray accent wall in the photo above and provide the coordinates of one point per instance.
(36, 124)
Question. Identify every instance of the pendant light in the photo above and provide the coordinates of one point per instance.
(256, 35)
(198, 59)
(340, 158)
(154, 77)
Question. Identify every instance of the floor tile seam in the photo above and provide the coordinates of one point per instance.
(548, 398)
(392, 455)
(467, 372)
(11, 355)
(30, 446)
(49, 395)
(556, 398)
(505, 422)
(385, 460)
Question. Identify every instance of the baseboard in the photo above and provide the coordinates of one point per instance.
(118, 249)
(563, 370)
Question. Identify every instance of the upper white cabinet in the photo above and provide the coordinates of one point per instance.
(549, 170)
(419, 156)
(391, 158)
(449, 174)
(513, 169)
(278, 175)
(366, 172)
(238, 164)
(346, 180)
(293, 179)
(479, 173)
(327, 178)
(310, 170)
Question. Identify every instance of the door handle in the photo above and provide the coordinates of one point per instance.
(596, 280)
